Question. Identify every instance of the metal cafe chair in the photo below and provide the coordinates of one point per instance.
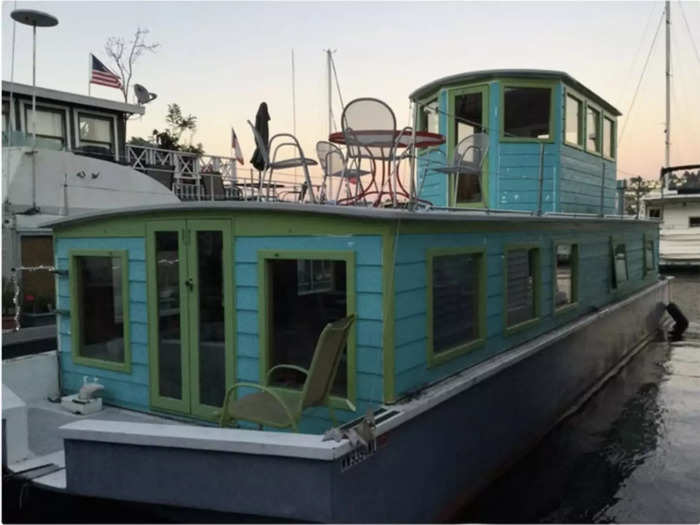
(467, 159)
(335, 165)
(269, 152)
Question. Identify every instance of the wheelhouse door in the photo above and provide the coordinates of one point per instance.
(468, 115)
(190, 315)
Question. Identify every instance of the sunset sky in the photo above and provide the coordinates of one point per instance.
(219, 60)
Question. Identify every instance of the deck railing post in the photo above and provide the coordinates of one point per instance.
(541, 181)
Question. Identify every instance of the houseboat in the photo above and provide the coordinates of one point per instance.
(483, 309)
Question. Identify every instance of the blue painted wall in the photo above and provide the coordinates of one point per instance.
(411, 328)
(129, 390)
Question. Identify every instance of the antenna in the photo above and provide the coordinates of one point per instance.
(143, 96)
(667, 159)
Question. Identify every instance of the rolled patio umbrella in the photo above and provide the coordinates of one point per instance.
(261, 118)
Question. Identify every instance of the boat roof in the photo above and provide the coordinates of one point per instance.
(72, 98)
(488, 74)
(350, 212)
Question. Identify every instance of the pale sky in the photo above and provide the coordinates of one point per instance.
(219, 60)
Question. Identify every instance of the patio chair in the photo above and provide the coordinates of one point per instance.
(281, 407)
(334, 165)
(467, 159)
(213, 187)
(269, 153)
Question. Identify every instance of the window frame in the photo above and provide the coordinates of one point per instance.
(648, 240)
(537, 287)
(613, 137)
(690, 222)
(568, 92)
(25, 110)
(574, 276)
(615, 286)
(435, 359)
(521, 83)
(264, 296)
(599, 134)
(100, 115)
(76, 343)
(434, 97)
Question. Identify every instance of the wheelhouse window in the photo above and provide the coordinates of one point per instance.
(456, 304)
(468, 120)
(565, 283)
(526, 112)
(619, 264)
(100, 309)
(303, 295)
(96, 132)
(574, 120)
(50, 125)
(608, 138)
(592, 130)
(429, 117)
(522, 283)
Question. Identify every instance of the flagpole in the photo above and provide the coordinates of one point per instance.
(89, 72)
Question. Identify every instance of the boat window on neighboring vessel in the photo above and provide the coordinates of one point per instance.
(96, 131)
(521, 283)
(693, 222)
(455, 300)
(303, 296)
(566, 261)
(592, 130)
(526, 112)
(654, 213)
(620, 264)
(100, 306)
(608, 138)
(50, 125)
(574, 120)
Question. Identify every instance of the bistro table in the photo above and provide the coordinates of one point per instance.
(382, 145)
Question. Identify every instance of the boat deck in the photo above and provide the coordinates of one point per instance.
(46, 464)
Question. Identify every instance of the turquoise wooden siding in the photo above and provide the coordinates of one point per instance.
(580, 181)
(368, 279)
(129, 390)
(411, 368)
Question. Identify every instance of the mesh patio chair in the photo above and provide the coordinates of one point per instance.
(281, 407)
(467, 159)
(335, 165)
(269, 153)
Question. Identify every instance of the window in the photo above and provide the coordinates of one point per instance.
(50, 125)
(468, 120)
(526, 112)
(654, 213)
(303, 294)
(574, 120)
(522, 286)
(693, 222)
(648, 256)
(456, 303)
(429, 117)
(608, 138)
(619, 264)
(566, 278)
(5, 116)
(96, 131)
(592, 130)
(99, 296)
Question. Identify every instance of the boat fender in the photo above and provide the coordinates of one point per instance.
(681, 322)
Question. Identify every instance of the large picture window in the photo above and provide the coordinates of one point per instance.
(565, 275)
(526, 112)
(456, 302)
(96, 131)
(522, 286)
(50, 125)
(99, 300)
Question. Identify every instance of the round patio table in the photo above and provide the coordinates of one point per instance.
(384, 140)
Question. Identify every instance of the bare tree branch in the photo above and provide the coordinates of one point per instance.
(116, 48)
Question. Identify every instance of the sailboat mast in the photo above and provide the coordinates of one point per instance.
(667, 160)
(330, 108)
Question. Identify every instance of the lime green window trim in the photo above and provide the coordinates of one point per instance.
(438, 358)
(264, 319)
(77, 310)
(612, 138)
(574, 261)
(618, 246)
(521, 83)
(451, 141)
(534, 258)
(570, 93)
(649, 256)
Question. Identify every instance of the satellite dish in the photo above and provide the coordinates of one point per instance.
(143, 96)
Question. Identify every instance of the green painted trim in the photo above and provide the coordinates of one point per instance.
(568, 92)
(435, 359)
(157, 401)
(264, 321)
(537, 285)
(389, 240)
(573, 305)
(551, 85)
(450, 140)
(77, 310)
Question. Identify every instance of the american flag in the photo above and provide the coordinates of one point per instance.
(236, 146)
(99, 74)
